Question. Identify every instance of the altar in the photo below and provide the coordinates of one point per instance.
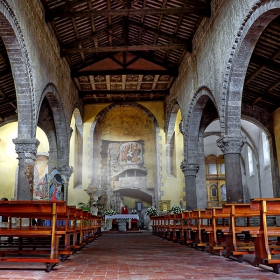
(124, 220)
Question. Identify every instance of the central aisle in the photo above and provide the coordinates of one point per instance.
(141, 256)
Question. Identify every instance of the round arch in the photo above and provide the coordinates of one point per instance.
(260, 15)
(102, 114)
(12, 36)
(61, 127)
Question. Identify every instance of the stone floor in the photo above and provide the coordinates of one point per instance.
(139, 256)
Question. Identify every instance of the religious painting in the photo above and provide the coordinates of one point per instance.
(131, 153)
(40, 169)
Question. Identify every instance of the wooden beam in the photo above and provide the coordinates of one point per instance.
(203, 10)
(159, 33)
(124, 71)
(125, 92)
(264, 62)
(126, 48)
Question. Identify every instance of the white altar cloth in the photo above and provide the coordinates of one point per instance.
(122, 217)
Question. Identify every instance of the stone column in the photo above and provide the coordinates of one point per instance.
(190, 170)
(231, 147)
(66, 172)
(26, 150)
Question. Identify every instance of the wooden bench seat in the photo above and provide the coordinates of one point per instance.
(267, 252)
(45, 210)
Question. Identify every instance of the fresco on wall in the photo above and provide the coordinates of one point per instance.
(131, 153)
(40, 169)
(122, 156)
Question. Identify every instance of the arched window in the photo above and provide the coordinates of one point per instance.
(250, 162)
(266, 151)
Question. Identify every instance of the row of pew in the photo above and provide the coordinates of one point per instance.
(44, 231)
(233, 230)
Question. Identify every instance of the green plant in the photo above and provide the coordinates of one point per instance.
(110, 212)
(176, 209)
(151, 211)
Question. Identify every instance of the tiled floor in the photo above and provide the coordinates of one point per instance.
(139, 256)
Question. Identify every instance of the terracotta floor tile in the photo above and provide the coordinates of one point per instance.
(140, 256)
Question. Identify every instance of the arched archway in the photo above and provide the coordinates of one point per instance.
(232, 140)
(202, 111)
(96, 147)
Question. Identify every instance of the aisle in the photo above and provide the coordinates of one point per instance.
(140, 256)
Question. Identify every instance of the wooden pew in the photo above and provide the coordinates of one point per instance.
(266, 250)
(220, 222)
(237, 246)
(45, 210)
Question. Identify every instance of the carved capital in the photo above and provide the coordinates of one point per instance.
(26, 148)
(189, 169)
(231, 144)
(67, 171)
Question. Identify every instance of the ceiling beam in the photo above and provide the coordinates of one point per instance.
(203, 10)
(265, 62)
(124, 92)
(159, 32)
(127, 48)
(124, 71)
(261, 95)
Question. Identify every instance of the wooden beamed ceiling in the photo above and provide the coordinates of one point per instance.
(116, 47)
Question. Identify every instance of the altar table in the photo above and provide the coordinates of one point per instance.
(121, 217)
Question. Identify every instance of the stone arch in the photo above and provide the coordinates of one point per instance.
(258, 121)
(101, 115)
(259, 16)
(170, 120)
(77, 113)
(193, 122)
(12, 36)
(61, 129)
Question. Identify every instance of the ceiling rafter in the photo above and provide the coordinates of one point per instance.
(203, 10)
(126, 48)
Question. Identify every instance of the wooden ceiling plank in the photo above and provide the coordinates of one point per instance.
(124, 71)
(200, 10)
(93, 36)
(159, 33)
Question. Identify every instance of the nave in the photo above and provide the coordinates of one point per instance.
(140, 256)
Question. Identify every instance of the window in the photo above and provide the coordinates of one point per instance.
(212, 168)
(266, 152)
(250, 162)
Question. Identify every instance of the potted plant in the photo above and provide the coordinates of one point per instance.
(151, 211)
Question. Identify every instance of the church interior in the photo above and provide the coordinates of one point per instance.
(135, 104)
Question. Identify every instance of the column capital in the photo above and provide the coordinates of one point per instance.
(66, 171)
(231, 144)
(26, 148)
(189, 169)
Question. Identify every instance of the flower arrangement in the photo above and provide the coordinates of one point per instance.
(151, 211)
(176, 209)
(110, 212)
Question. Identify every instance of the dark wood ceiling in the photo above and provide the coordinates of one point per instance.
(262, 82)
(125, 50)
(130, 50)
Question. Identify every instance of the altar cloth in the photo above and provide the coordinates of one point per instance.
(122, 217)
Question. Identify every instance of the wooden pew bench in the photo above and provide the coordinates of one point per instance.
(220, 222)
(45, 210)
(266, 238)
(238, 243)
